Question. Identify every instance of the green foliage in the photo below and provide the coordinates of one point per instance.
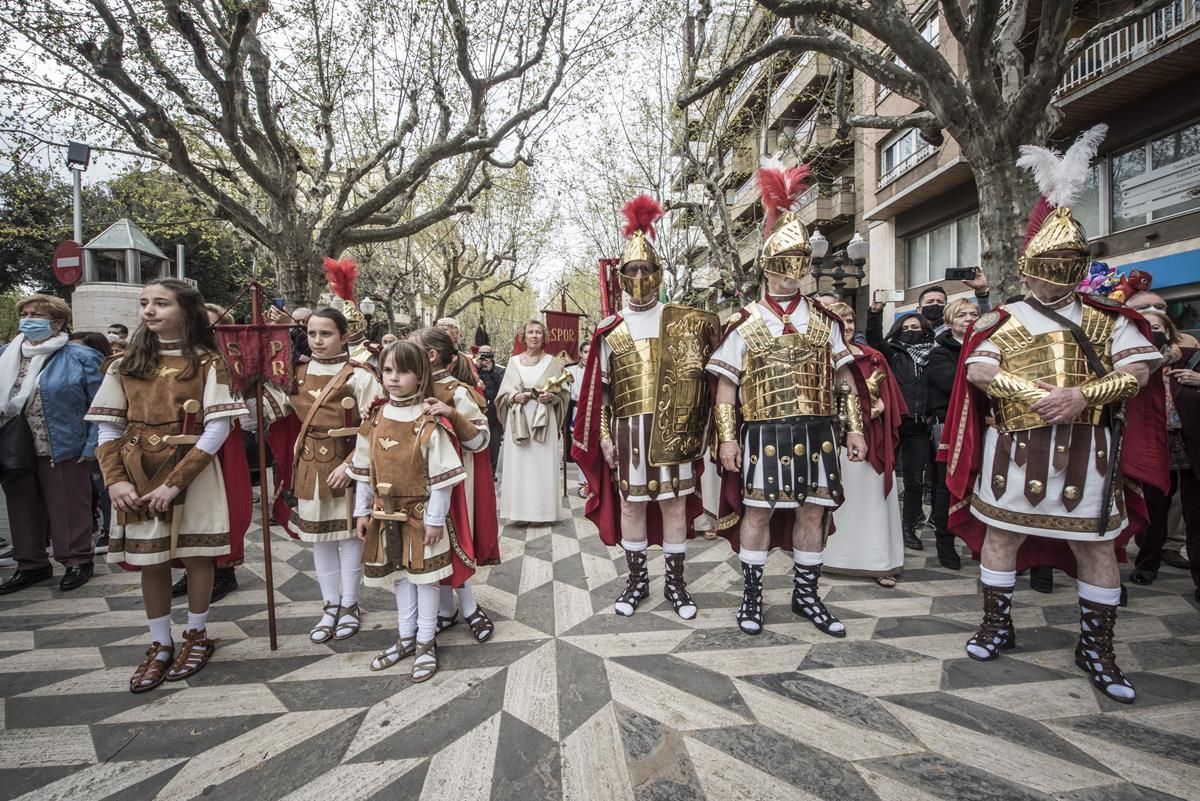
(8, 315)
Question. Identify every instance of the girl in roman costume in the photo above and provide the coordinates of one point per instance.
(456, 399)
(164, 410)
(532, 418)
(870, 538)
(408, 474)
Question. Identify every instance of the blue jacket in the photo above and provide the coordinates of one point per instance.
(68, 382)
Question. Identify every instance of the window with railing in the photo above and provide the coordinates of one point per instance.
(786, 84)
(931, 32)
(1155, 179)
(1131, 42)
(900, 153)
(953, 244)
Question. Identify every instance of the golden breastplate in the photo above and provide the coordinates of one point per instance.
(1054, 358)
(790, 375)
(631, 372)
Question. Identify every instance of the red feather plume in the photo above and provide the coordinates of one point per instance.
(780, 187)
(1038, 216)
(640, 215)
(341, 276)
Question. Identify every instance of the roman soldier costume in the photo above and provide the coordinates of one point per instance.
(644, 390)
(1009, 471)
(781, 354)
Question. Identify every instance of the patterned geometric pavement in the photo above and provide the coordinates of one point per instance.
(569, 701)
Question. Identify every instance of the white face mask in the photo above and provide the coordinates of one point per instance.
(112, 337)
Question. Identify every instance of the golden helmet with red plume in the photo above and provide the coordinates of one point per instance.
(641, 271)
(341, 276)
(787, 251)
(1056, 245)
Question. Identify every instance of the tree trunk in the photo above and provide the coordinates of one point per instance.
(296, 266)
(1005, 201)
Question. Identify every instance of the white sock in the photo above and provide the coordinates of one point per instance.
(1098, 595)
(406, 608)
(1003, 579)
(466, 599)
(350, 555)
(196, 620)
(329, 570)
(634, 545)
(160, 629)
(446, 605)
(427, 609)
(753, 557)
(582, 477)
(808, 558)
(675, 547)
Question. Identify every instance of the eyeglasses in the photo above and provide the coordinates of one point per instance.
(486, 356)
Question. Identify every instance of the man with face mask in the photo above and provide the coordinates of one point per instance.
(1148, 301)
(1036, 472)
(778, 368)
(643, 411)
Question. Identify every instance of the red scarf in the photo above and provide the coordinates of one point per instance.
(782, 313)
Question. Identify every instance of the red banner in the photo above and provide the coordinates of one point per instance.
(256, 352)
(562, 333)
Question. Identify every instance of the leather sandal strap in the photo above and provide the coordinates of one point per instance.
(153, 667)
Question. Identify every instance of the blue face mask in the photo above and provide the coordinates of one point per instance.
(35, 328)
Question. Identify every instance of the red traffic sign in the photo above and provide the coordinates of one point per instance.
(68, 262)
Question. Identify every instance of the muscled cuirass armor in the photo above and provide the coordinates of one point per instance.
(789, 375)
(632, 370)
(1054, 358)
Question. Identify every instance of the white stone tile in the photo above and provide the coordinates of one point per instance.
(1177, 718)
(463, 770)
(58, 606)
(937, 589)
(726, 778)
(220, 701)
(228, 633)
(531, 690)
(599, 570)
(100, 781)
(50, 745)
(664, 703)
(593, 761)
(495, 600)
(534, 573)
(16, 640)
(859, 628)
(53, 659)
(348, 665)
(109, 680)
(356, 782)
(938, 646)
(890, 789)
(1139, 767)
(247, 751)
(749, 661)
(260, 648)
(1039, 700)
(561, 547)
(633, 643)
(888, 607)
(719, 577)
(572, 606)
(873, 680)
(511, 549)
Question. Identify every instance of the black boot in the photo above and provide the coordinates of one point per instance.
(1094, 652)
(911, 540)
(637, 584)
(224, 582)
(807, 603)
(1041, 579)
(675, 590)
(180, 587)
(947, 553)
(996, 632)
(750, 614)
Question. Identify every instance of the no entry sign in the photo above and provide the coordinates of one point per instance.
(68, 262)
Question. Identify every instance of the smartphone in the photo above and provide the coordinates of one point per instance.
(961, 273)
(279, 303)
(889, 296)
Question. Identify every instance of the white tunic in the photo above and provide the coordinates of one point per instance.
(529, 488)
(1012, 511)
(868, 540)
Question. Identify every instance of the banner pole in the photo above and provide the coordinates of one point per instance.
(268, 572)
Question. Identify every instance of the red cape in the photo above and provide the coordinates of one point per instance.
(281, 439)
(961, 450)
(460, 519)
(882, 433)
(604, 503)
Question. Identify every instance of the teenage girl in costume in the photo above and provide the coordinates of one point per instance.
(168, 493)
(406, 464)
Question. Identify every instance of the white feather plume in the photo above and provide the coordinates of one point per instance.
(772, 163)
(1062, 178)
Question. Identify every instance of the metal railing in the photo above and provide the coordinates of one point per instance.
(1130, 43)
(745, 191)
(749, 78)
(786, 84)
(916, 157)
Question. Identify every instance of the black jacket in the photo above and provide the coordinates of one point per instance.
(912, 385)
(939, 374)
(491, 388)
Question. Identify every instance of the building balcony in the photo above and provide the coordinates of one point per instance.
(827, 203)
(739, 161)
(748, 245)
(799, 88)
(685, 217)
(918, 156)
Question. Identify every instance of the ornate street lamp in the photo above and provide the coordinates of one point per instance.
(844, 264)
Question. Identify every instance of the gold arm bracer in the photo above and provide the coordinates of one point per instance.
(605, 422)
(726, 417)
(1007, 386)
(854, 415)
(1114, 387)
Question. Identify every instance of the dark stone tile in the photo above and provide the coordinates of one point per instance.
(228, 610)
(284, 626)
(528, 766)
(407, 786)
(17, 683)
(122, 603)
(952, 604)
(958, 674)
(1154, 689)
(149, 788)
(816, 772)
(833, 700)
(659, 766)
(892, 627)
(689, 678)
(1182, 625)
(1062, 615)
(491, 654)
(301, 560)
(164, 739)
(251, 671)
(300, 588)
(641, 735)
(292, 769)
(29, 622)
(608, 622)
(535, 608)
(16, 782)
(571, 571)
(302, 696)
(1116, 792)
(540, 548)
(994, 722)
(56, 710)
(731, 638)
(1136, 735)
(582, 687)
(864, 592)
(931, 572)
(782, 613)
(444, 725)
(855, 653)
(506, 576)
(1045, 638)
(85, 638)
(953, 781)
(1157, 654)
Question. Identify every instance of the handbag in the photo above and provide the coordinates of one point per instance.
(16, 450)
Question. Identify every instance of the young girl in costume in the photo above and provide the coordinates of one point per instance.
(331, 391)
(455, 398)
(406, 464)
(165, 408)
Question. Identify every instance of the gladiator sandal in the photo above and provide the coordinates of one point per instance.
(807, 603)
(444, 623)
(349, 620)
(399, 650)
(675, 590)
(424, 661)
(324, 633)
(996, 632)
(1094, 652)
(637, 584)
(197, 650)
(153, 670)
(750, 613)
(481, 625)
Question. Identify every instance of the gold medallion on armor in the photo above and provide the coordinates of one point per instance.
(687, 339)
